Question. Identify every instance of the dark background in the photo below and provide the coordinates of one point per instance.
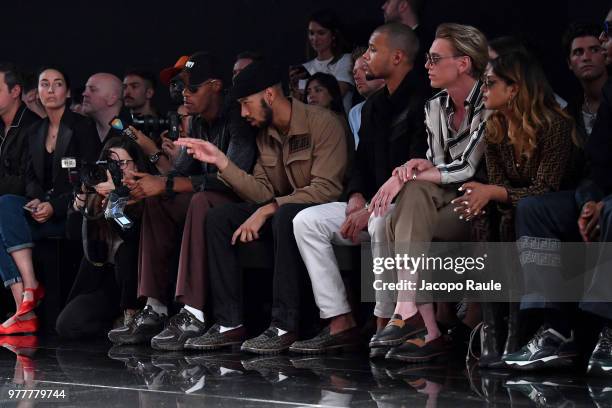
(87, 36)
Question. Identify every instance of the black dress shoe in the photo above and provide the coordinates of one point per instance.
(397, 331)
(325, 341)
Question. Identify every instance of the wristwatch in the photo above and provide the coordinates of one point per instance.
(170, 186)
(154, 158)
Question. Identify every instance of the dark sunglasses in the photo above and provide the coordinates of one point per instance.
(194, 88)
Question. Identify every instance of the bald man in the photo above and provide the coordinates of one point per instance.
(102, 101)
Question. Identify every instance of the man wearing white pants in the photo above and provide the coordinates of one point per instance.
(392, 130)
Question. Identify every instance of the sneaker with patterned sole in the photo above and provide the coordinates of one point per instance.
(269, 342)
(215, 339)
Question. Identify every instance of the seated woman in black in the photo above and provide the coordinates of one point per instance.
(107, 281)
(42, 212)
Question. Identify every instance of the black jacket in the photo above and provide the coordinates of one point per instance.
(78, 138)
(598, 184)
(392, 132)
(14, 153)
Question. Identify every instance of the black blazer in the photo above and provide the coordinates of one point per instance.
(14, 152)
(78, 138)
(392, 132)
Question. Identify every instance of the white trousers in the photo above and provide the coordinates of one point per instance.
(316, 230)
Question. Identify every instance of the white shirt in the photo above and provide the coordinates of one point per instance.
(342, 70)
(354, 119)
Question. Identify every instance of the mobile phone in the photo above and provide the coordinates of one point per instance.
(32, 210)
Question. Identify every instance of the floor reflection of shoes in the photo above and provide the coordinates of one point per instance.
(546, 391)
(600, 393)
(171, 362)
(21, 345)
(488, 384)
(130, 354)
(218, 364)
(274, 369)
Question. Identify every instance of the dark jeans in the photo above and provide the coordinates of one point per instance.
(226, 275)
(542, 223)
(18, 230)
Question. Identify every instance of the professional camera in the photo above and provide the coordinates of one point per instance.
(153, 124)
(92, 174)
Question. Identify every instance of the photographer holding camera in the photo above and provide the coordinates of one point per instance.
(171, 212)
(42, 212)
(106, 283)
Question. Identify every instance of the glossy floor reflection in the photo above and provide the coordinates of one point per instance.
(96, 374)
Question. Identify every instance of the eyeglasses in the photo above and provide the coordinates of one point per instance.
(123, 163)
(434, 59)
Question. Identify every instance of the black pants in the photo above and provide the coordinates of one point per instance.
(99, 294)
(542, 223)
(226, 275)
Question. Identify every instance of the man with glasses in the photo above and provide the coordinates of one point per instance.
(454, 120)
(173, 211)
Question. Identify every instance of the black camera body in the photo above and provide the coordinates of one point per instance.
(92, 174)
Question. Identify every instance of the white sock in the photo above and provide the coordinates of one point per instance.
(157, 306)
(223, 329)
(281, 331)
(198, 314)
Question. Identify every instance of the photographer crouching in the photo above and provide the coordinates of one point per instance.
(107, 280)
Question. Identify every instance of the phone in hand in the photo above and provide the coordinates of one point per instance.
(29, 209)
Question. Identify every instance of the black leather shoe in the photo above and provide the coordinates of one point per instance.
(397, 331)
(146, 324)
(180, 328)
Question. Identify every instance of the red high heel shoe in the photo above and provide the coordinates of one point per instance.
(21, 327)
(28, 305)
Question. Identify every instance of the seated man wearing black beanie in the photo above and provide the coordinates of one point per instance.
(302, 161)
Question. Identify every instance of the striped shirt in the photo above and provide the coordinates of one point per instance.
(456, 154)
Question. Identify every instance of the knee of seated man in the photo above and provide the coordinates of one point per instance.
(200, 199)
(305, 220)
(529, 207)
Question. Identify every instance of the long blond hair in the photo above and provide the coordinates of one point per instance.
(534, 104)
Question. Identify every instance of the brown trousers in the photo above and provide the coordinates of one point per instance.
(423, 212)
(164, 223)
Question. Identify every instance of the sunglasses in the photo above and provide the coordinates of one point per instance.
(194, 88)
(434, 59)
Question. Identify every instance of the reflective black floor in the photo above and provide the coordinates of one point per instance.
(94, 374)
